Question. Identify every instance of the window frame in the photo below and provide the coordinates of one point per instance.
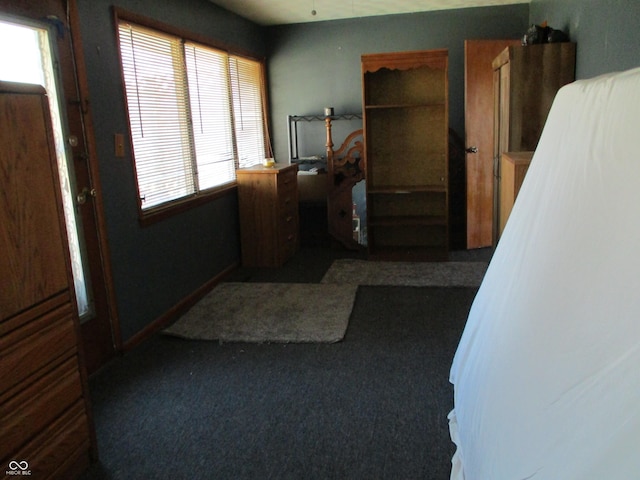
(157, 213)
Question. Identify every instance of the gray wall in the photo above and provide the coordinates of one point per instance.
(313, 65)
(607, 32)
(310, 66)
(155, 267)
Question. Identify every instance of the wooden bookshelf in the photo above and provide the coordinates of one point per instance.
(405, 100)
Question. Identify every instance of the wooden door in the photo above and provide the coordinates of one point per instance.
(100, 332)
(479, 140)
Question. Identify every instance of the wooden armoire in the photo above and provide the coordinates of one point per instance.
(525, 82)
(405, 104)
(46, 428)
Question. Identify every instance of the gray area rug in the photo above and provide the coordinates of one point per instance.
(412, 274)
(269, 312)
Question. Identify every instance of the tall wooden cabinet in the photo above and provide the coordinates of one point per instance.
(405, 104)
(269, 218)
(513, 168)
(525, 82)
(45, 424)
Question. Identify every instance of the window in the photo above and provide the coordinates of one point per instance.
(196, 114)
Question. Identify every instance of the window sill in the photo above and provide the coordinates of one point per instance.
(162, 212)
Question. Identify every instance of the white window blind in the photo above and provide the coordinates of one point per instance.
(246, 81)
(209, 92)
(195, 114)
(155, 88)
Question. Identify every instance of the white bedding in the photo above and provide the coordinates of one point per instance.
(547, 373)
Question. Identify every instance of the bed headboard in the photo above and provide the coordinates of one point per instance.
(345, 167)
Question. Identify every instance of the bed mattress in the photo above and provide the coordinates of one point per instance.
(547, 372)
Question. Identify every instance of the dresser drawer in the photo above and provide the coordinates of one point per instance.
(288, 200)
(289, 246)
(288, 218)
(52, 339)
(64, 443)
(39, 405)
(288, 223)
(289, 232)
(287, 180)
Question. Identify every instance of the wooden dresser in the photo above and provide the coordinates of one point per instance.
(269, 228)
(45, 424)
(514, 166)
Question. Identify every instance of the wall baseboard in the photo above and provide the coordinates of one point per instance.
(178, 309)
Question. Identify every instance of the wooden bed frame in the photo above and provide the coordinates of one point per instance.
(345, 167)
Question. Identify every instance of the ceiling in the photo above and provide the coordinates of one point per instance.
(278, 12)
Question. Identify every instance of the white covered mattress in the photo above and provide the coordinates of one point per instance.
(547, 373)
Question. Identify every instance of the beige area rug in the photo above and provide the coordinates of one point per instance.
(413, 274)
(269, 312)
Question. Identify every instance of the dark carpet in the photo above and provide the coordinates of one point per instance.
(373, 406)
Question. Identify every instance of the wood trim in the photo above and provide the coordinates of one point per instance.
(373, 62)
(266, 120)
(178, 309)
(21, 88)
(94, 173)
(129, 16)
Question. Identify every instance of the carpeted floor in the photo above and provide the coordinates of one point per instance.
(409, 274)
(371, 406)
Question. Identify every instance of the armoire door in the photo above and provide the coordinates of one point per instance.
(55, 22)
(479, 124)
(45, 427)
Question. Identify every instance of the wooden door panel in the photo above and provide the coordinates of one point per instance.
(479, 131)
(32, 270)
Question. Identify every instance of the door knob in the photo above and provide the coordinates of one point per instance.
(471, 150)
(81, 198)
